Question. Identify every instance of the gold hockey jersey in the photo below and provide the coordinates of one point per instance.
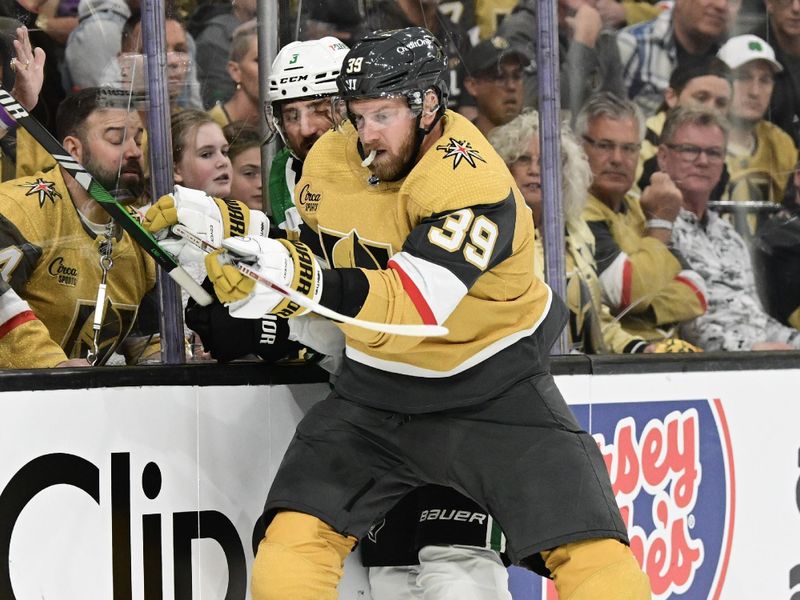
(452, 243)
(50, 266)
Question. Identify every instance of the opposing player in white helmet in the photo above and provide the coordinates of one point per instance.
(301, 83)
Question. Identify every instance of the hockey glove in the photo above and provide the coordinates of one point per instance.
(674, 345)
(290, 264)
(213, 219)
(227, 338)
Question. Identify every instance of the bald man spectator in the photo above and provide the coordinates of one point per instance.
(678, 38)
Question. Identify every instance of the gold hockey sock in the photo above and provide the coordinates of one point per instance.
(601, 569)
(300, 558)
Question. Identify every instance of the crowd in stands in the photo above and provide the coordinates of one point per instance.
(679, 154)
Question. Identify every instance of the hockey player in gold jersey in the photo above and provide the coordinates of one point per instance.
(419, 221)
(56, 242)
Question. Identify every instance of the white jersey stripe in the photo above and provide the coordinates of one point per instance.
(407, 369)
(440, 289)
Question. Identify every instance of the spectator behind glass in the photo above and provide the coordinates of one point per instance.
(130, 66)
(692, 153)
(54, 235)
(494, 73)
(592, 327)
(782, 30)
(243, 68)
(214, 43)
(708, 84)
(244, 152)
(761, 155)
(94, 44)
(645, 284)
(200, 159)
(678, 38)
(776, 258)
(588, 56)
(200, 153)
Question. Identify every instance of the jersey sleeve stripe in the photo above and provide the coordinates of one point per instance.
(699, 291)
(413, 292)
(429, 284)
(627, 276)
(15, 322)
(616, 282)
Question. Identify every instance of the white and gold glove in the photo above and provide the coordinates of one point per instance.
(213, 219)
(290, 264)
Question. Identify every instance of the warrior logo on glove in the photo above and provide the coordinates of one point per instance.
(304, 278)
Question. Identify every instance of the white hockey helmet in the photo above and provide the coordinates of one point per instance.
(306, 69)
(303, 71)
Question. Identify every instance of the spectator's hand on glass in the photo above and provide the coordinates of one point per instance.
(661, 199)
(28, 66)
(585, 25)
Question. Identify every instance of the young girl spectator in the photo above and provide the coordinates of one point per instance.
(245, 155)
(200, 154)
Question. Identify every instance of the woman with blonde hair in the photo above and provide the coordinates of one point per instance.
(593, 328)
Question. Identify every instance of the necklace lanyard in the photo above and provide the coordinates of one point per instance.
(106, 262)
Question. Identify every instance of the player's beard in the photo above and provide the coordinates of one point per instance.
(125, 187)
(390, 166)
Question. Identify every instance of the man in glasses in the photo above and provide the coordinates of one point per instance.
(692, 153)
(647, 285)
(494, 77)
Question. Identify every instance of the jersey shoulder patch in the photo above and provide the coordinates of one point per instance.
(461, 169)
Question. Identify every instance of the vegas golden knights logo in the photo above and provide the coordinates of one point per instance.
(117, 323)
(350, 250)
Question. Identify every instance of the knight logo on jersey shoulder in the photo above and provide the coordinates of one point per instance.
(44, 190)
(460, 151)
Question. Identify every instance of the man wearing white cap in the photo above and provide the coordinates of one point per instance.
(760, 154)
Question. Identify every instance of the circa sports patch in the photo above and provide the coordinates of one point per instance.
(460, 150)
(46, 190)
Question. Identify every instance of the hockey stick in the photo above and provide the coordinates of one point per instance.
(118, 212)
(306, 302)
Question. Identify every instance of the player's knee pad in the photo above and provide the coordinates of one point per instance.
(300, 558)
(601, 569)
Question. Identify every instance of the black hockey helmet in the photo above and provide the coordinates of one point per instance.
(402, 62)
